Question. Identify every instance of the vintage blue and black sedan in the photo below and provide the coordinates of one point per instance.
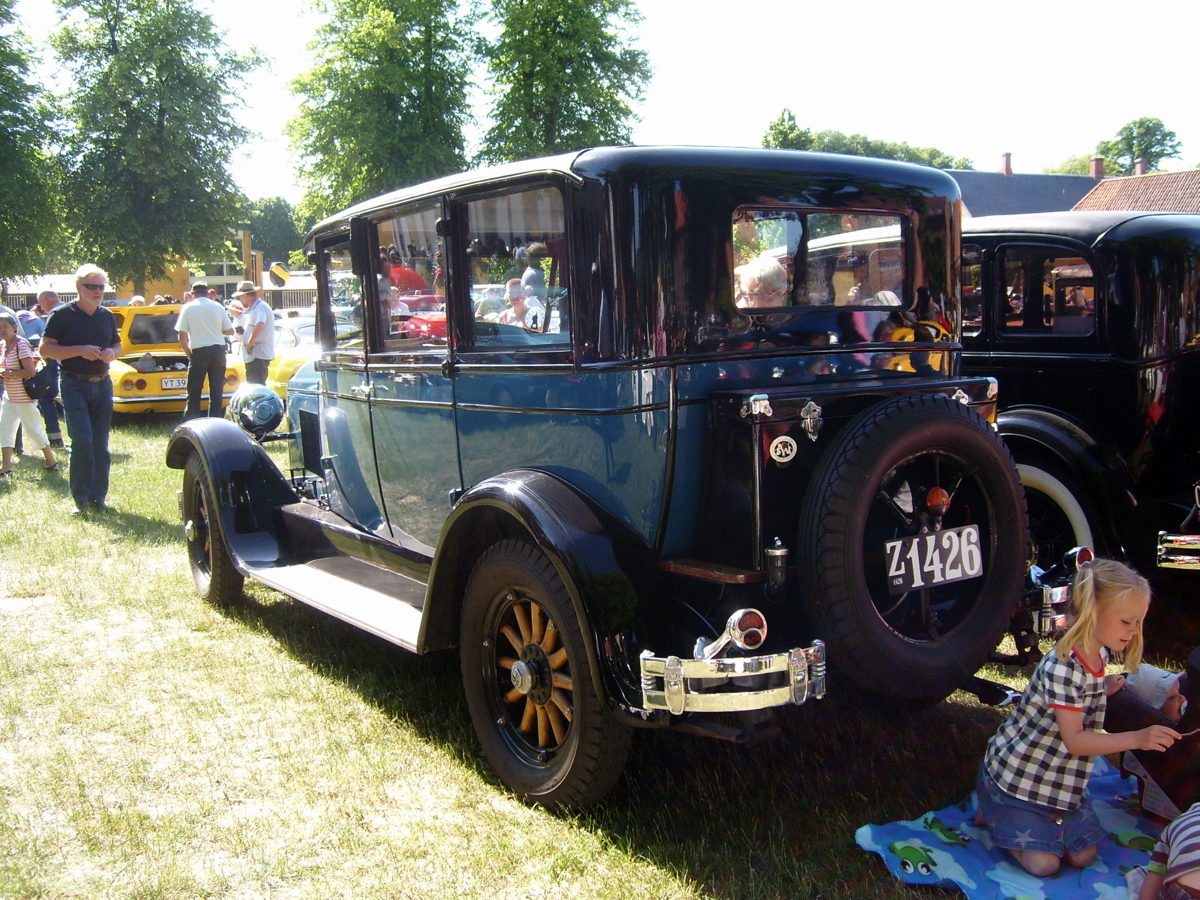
(1091, 323)
(716, 437)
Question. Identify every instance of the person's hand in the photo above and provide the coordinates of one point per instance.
(88, 351)
(108, 355)
(1112, 684)
(1156, 737)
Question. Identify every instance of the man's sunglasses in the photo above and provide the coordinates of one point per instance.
(94, 287)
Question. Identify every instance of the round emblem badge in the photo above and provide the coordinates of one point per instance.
(783, 449)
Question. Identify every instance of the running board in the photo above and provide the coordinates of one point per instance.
(374, 599)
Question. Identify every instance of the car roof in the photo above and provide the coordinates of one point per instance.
(1084, 226)
(603, 162)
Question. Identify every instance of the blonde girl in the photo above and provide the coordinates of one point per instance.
(17, 361)
(1032, 786)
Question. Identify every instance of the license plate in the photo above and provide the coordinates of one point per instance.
(169, 383)
(929, 560)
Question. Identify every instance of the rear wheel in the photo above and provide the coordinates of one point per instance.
(908, 609)
(217, 578)
(533, 699)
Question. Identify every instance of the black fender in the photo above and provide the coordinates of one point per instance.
(1096, 466)
(246, 482)
(603, 563)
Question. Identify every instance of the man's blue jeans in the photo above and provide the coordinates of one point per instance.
(88, 407)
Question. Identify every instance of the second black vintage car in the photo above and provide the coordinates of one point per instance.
(714, 435)
(1091, 323)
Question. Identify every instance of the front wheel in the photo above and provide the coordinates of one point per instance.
(217, 579)
(533, 699)
(913, 544)
(1058, 518)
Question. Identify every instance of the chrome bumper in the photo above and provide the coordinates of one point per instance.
(698, 685)
(1178, 551)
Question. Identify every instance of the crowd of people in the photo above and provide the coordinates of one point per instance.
(78, 341)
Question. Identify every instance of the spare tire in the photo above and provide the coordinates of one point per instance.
(910, 603)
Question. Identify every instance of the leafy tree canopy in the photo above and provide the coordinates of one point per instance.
(385, 105)
(273, 229)
(564, 74)
(1142, 138)
(786, 134)
(150, 133)
(29, 202)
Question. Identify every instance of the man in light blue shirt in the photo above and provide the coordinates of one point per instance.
(202, 326)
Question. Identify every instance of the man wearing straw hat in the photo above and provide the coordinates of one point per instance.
(258, 332)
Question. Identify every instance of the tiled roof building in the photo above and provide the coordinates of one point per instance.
(1005, 193)
(1160, 192)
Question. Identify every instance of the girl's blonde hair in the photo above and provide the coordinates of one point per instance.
(1097, 584)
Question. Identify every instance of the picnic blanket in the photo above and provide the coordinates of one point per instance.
(944, 848)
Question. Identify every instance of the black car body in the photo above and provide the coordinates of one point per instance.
(1091, 323)
(738, 403)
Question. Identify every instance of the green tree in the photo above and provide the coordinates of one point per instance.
(386, 102)
(1072, 165)
(29, 202)
(151, 130)
(1142, 138)
(273, 229)
(564, 76)
(786, 134)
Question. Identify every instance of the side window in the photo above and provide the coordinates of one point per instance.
(409, 281)
(517, 266)
(787, 258)
(972, 290)
(345, 296)
(1046, 291)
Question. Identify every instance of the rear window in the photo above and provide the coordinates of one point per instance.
(787, 258)
(150, 329)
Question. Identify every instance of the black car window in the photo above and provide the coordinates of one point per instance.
(517, 268)
(788, 258)
(972, 290)
(409, 280)
(1046, 291)
(346, 296)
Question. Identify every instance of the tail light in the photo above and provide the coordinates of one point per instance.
(747, 629)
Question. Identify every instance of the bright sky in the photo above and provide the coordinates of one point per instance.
(1041, 79)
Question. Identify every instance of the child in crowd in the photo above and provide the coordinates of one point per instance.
(1032, 786)
(1174, 870)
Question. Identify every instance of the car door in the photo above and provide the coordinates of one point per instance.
(347, 443)
(411, 380)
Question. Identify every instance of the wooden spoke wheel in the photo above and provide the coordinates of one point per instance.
(533, 697)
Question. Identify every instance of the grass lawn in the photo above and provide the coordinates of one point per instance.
(155, 747)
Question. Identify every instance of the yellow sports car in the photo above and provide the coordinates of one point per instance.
(151, 373)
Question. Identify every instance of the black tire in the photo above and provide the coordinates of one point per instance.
(1059, 512)
(552, 744)
(918, 645)
(217, 579)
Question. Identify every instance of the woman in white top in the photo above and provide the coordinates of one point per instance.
(17, 408)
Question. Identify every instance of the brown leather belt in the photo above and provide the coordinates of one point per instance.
(90, 379)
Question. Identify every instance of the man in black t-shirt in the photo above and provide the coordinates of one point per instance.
(83, 336)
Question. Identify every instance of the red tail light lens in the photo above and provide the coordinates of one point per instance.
(937, 501)
(748, 628)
